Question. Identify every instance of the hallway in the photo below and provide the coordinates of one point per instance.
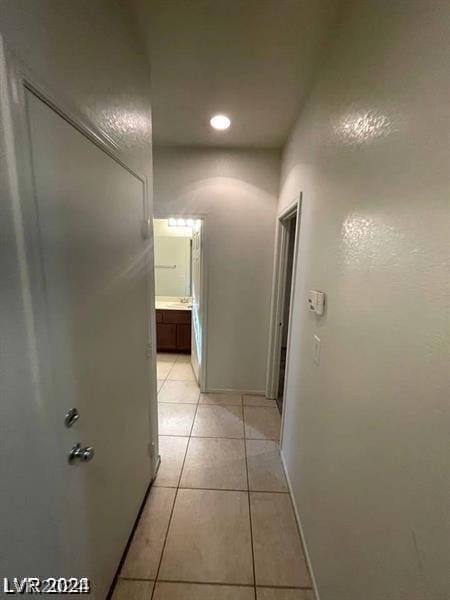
(219, 518)
(154, 156)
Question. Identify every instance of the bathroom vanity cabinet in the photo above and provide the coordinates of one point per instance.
(173, 330)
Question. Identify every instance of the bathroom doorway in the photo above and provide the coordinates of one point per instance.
(180, 296)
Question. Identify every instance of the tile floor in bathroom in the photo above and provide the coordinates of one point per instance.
(218, 523)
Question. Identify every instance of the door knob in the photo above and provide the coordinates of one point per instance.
(82, 454)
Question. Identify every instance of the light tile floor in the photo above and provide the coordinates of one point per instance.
(218, 523)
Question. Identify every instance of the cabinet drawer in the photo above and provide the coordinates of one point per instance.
(176, 316)
(159, 316)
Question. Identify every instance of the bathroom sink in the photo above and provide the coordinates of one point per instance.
(180, 305)
(172, 304)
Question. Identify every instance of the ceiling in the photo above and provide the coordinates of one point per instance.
(249, 59)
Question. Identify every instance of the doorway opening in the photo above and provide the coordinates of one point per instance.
(180, 298)
(286, 244)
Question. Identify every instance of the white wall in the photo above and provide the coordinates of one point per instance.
(83, 51)
(236, 191)
(87, 51)
(366, 440)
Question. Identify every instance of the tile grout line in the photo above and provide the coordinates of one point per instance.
(249, 506)
(183, 403)
(210, 489)
(171, 512)
(178, 487)
(187, 448)
(220, 437)
(164, 544)
(176, 495)
(219, 583)
(170, 370)
(164, 379)
(211, 583)
(218, 403)
(173, 505)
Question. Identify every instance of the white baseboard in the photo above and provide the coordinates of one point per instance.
(302, 535)
(231, 391)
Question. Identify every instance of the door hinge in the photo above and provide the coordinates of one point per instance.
(146, 228)
(151, 449)
(148, 351)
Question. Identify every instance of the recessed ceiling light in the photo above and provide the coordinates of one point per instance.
(220, 122)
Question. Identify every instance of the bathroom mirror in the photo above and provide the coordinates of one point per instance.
(173, 253)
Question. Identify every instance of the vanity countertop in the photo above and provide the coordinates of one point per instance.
(172, 303)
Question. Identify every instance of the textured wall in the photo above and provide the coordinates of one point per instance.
(87, 51)
(366, 439)
(236, 191)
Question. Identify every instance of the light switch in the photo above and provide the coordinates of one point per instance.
(316, 350)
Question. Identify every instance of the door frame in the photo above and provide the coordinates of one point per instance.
(279, 292)
(204, 284)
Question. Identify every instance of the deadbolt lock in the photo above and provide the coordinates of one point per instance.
(71, 417)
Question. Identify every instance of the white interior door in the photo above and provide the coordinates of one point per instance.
(197, 312)
(90, 211)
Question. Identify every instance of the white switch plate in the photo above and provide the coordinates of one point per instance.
(316, 350)
(316, 302)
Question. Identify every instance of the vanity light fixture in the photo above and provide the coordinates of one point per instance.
(220, 122)
(184, 222)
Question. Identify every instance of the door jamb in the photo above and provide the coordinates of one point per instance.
(204, 288)
(278, 295)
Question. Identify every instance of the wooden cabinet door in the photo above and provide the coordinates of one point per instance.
(166, 336)
(176, 316)
(184, 338)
